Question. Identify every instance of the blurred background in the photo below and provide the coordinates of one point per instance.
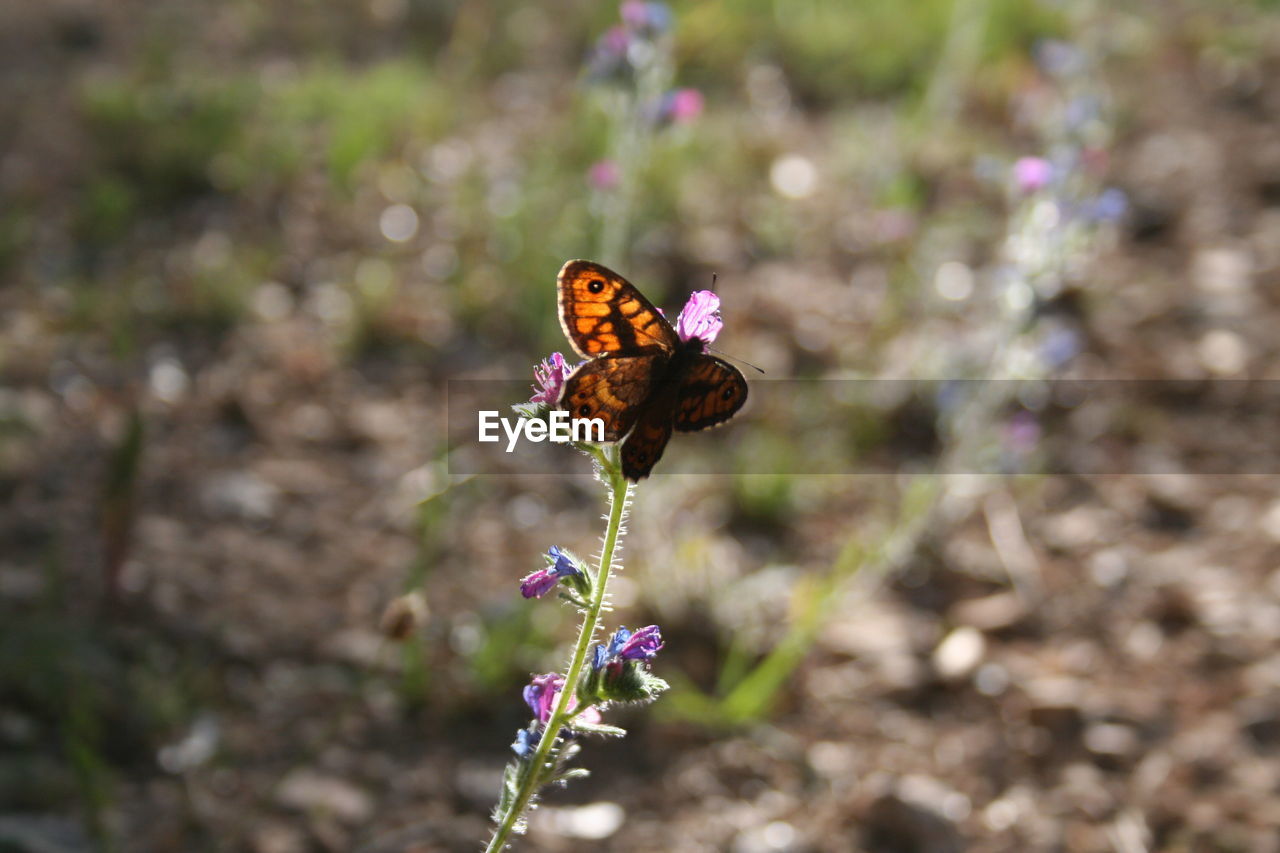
(245, 245)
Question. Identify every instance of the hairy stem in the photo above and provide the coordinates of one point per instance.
(619, 495)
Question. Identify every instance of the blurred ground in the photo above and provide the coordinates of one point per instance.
(245, 245)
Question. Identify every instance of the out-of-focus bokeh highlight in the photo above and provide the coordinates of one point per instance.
(245, 604)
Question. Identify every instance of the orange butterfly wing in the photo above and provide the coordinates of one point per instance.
(646, 443)
(601, 312)
(710, 393)
(613, 389)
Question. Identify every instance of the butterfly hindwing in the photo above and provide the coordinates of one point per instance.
(602, 312)
(711, 392)
(644, 446)
(613, 388)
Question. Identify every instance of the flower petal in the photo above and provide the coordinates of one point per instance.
(700, 317)
(539, 583)
(644, 644)
(550, 375)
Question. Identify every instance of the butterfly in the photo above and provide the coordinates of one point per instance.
(640, 378)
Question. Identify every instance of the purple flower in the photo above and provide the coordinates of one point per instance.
(604, 175)
(700, 317)
(550, 375)
(1081, 110)
(647, 18)
(610, 54)
(539, 583)
(614, 42)
(1032, 173)
(1021, 433)
(633, 13)
(624, 645)
(541, 695)
(524, 743)
(1058, 58)
(642, 645)
(680, 106)
(1059, 345)
(1110, 206)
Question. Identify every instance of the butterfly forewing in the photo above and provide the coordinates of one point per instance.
(709, 394)
(602, 312)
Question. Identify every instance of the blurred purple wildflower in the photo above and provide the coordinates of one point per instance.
(1021, 433)
(1110, 206)
(1032, 173)
(648, 19)
(680, 106)
(700, 317)
(604, 174)
(1059, 345)
(1081, 110)
(524, 743)
(539, 583)
(1059, 58)
(609, 56)
(550, 375)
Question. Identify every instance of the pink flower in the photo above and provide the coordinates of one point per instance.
(615, 42)
(649, 19)
(542, 693)
(544, 580)
(634, 13)
(604, 175)
(700, 317)
(682, 105)
(550, 375)
(1032, 173)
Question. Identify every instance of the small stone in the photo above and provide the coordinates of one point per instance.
(1055, 705)
(771, 838)
(1271, 521)
(594, 821)
(240, 494)
(1222, 272)
(277, 838)
(1223, 352)
(1108, 567)
(1111, 739)
(314, 792)
(194, 749)
(990, 613)
(959, 654)
(901, 820)
(1261, 722)
(404, 616)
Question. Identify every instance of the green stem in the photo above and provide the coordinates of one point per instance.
(531, 781)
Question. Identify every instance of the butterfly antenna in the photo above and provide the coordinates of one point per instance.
(735, 358)
(714, 276)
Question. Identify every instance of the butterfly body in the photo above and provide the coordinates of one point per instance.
(641, 378)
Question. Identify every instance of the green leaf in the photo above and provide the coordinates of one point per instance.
(599, 729)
